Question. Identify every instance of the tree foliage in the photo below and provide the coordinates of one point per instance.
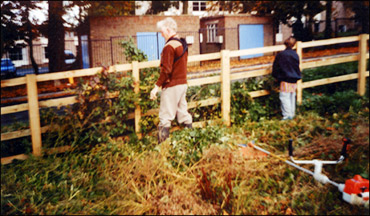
(233, 6)
(9, 28)
(56, 34)
(160, 6)
(280, 11)
(283, 12)
(16, 24)
(361, 10)
(110, 8)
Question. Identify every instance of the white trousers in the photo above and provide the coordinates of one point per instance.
(173, 103)
(288, 103)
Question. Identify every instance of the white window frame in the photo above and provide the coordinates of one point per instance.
(17, 55)
(44, 58)
(211, 32)
(202, 5)
(280, 28)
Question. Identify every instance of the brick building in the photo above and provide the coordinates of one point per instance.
(106, 32)
(204, 35)
(234, 32)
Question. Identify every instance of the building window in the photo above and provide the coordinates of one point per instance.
(46, 52)
(16, 54)
(69, 34)
(199, 5)
(211, 33)
(279, 29)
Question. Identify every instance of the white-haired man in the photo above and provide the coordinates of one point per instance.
(172, 80)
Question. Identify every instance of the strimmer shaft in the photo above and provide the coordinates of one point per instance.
(289, 163)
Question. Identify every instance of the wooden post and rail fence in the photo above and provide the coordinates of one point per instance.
(224, 78)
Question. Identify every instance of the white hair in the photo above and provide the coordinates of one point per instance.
(167, 23)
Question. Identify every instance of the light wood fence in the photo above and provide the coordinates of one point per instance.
(224, 78)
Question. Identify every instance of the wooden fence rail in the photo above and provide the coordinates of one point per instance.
(224, 78)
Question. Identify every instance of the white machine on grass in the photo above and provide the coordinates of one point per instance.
(355, 190)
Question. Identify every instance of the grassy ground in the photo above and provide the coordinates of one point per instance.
(197, 171)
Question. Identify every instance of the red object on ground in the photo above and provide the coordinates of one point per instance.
(251, 153)
(356, 185)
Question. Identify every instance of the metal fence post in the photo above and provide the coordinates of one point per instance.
(34, 115)
(225, 86)
(111, 50)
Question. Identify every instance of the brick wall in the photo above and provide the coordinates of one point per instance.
(207, 47)
(235, 21)
(229, 25)
(287, 32)
(103, 28)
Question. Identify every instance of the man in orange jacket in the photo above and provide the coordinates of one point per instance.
(172, 80)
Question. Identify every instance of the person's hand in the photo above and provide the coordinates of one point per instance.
(153, 93)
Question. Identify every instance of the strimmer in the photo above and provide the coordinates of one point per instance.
(355, 191)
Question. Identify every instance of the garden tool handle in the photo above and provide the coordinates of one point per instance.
(345, 141)
(290, 147)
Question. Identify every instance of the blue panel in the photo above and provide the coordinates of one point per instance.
(250, 36)
(151, 43)
(85, 52)
(161, 43)
(147, 42)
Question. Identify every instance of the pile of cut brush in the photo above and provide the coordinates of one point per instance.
(196, 171)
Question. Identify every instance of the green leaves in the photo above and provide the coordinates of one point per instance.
(98, 115)
(244, 108)
(131, 52)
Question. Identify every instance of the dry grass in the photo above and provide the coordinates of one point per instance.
(115, 179)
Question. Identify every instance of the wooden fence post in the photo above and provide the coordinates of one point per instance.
(136, 76)
(225, 86)
(71, 80)
(361, 84)
(34, 114)
(299, 83)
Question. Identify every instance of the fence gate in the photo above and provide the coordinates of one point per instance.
(151, 43)
(250, 36)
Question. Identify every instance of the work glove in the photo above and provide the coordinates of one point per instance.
(153, 93)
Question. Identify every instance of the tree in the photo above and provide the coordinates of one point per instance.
(233, 6)
(17, 25)
(185, 5)
(160, 6)
(313, 8)
(284, 11)
(80, 26)
(328, 30)
(30, 31)
(110, 8)
(87, 9)
(361, 10)
(10, 26)
(280, 12)
(56, 34)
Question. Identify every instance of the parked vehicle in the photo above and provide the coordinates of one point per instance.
(8, 70)
(69, 57)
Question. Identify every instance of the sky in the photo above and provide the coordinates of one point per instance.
(40, 15)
